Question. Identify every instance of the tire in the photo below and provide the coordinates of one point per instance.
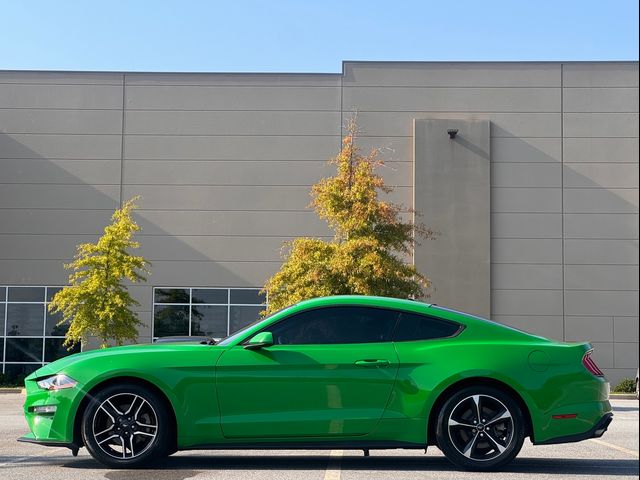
(492, 441)
(126, 426)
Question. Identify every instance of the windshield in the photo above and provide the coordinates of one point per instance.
(233, 337)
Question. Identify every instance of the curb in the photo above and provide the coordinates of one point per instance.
(622, 396)
(12, 390)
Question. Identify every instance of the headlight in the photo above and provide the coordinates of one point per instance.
(57, 382)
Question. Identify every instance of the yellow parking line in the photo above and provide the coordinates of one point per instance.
(333, 469)
(616, 447)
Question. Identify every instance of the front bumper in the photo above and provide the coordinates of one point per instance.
(57, 428)
(596, 431)
(30, 438)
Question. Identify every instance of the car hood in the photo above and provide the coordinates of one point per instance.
(109, 353)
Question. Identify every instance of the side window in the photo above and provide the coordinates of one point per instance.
(412, 326)
(333, 325)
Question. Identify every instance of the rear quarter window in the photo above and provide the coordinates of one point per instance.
(413, 326)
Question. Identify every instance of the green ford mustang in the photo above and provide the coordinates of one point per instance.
(348, 372)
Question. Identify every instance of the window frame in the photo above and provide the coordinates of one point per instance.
(190, 305)
(44, 336)
(461, 327)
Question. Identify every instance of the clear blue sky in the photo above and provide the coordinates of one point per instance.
(306, 35)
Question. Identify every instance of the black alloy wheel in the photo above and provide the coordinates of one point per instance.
(480, 428)
(126, 426)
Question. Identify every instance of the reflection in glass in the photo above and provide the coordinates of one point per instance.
(53, 349)
(24, 350)
(209, 295)
(3, 292)
(250, 297)
(2, 319)
(170, 320)
(420, 327)
(52, 328)
(209, 320)
(242, 316)
(16, 373)
(1, 349)
(171, 295)
(333, 325)
(26, 294)
(25, 319)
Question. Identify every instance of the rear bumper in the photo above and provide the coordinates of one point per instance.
(596, 431)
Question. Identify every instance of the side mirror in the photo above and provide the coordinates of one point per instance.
(261, 340)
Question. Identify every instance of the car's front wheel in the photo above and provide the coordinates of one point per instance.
(480, 428)
(126, 426)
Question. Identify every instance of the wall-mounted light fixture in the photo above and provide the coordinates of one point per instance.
(452, 133)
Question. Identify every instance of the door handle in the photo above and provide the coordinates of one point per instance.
(372, 363)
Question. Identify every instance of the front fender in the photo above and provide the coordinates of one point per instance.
(185, 377)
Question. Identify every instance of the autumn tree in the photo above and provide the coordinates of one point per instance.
(96, 303)
(371, 242)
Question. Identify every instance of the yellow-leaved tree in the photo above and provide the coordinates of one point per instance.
(96, 303)
(365, 256)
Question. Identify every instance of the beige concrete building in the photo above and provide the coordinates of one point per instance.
(536, 197)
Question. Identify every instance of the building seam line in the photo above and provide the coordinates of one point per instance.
(124, 83)
(564, 335)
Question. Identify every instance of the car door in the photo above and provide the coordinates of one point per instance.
(329, 373)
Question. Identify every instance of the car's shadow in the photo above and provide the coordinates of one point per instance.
(185, 466)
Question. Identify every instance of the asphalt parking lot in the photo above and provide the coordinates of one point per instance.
(615, 455)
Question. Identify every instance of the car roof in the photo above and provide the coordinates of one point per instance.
(368, 300)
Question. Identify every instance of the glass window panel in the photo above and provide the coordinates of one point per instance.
(16, 373)
(24, 350)
(249, 297)
(51, 291)
(335, 325)
(170, 320)
(3, 293)
(209, 320)
(51, 328)
(1, 350)
(25, 319)
(53, 349)
(26, 294)
(171, 295)
(2, 307)
(242, 316)
(209, 295)
(420, 327)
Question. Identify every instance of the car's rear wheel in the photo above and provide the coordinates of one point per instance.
(126, 426)
(480, 428)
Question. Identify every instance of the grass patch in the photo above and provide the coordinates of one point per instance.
(626, 385)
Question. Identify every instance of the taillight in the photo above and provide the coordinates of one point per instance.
(590, 365)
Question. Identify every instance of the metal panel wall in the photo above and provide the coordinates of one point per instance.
(452, 191)
(522, 101)
(213, 157)
(600, 191)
